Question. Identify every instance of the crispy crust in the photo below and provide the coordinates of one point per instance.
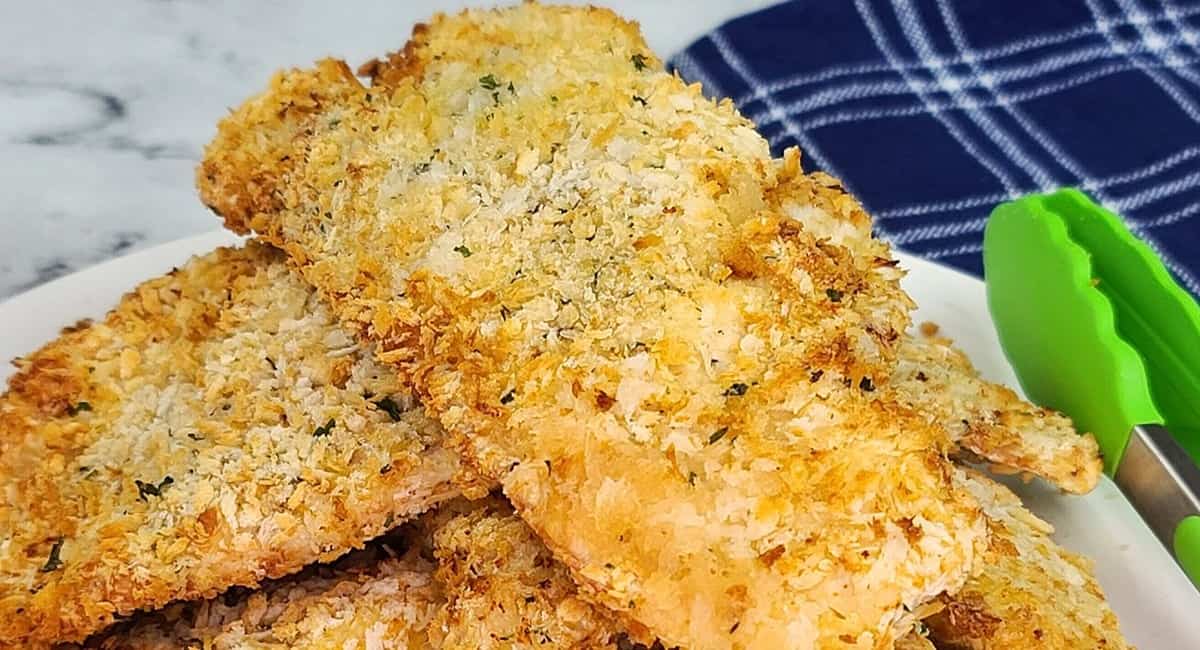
(465, 576)
(495, 585)
(1030, 593)
(198, 461)
(371, 598)
(915, 641)
(990, 420)
(504, 588)
(660, 340)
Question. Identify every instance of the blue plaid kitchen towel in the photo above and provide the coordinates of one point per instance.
(933, 111)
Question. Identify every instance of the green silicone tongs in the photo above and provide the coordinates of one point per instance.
(1097, 328)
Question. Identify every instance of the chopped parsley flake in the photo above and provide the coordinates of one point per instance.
(718, 434)
(389, 406)
(462, 250)
(54, 561)
(866, 384)
(77, 408)
(325, 429)
(736, 390)
(834, 295)
(489, 82)
(152, 490)
(639, 62)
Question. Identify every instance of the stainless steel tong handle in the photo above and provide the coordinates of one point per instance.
(1162, 482)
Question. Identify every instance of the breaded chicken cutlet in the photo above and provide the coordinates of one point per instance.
(662, 342)
(215, 429)
(473, 575)
(1030, 593)
(991, 421)
(372, 598)
(507, 588)
(467, 576)
(504, 589)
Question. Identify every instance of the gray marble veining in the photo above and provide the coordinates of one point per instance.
(106, 106)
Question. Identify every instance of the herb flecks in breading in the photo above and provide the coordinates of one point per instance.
(234, 371)
(324, 429)
(54, 561)
(389, 406)
(736, 389)
(152, 489)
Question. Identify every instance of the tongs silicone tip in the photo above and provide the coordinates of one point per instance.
(1096, 327)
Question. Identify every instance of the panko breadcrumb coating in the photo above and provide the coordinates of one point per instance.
(215, 429)
(661, 341)
(469, 575)
(990, 420)
(1030, 592)
(373, 598)
(503, 587)
(915, 641)
(475, 576)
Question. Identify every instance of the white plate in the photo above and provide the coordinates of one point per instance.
(1157, 606)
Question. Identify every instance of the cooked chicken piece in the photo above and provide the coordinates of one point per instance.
(372, 598)
(990, 420)
(496, 586)
(660, 340)
(216, 429)
(503, 587)
(469, 575)
(1030, 593)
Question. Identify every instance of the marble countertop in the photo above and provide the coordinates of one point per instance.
(107, 105)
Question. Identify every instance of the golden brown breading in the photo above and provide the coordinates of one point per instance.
(474, 576)
(660, 340)
(369, 599)
(1030, 593)
(217, 428)
(503, 587)
(914, 641)
(497, 586)
(990, 420)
